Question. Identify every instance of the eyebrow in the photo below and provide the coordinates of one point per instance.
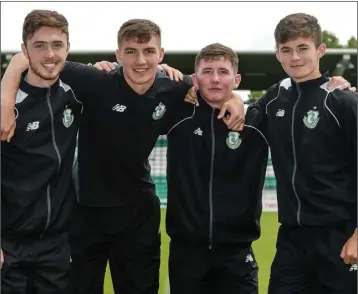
(53, 42)
(130, 48)
(220, 68)
(299, 46)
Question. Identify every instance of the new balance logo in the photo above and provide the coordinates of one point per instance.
(353, 268)
(249, 258)
(119, 108)
(31, 126)
(280, 113)
(198, 132)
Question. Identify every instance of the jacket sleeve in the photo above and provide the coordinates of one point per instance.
(84, 80)
(256, 114)
(347, 116)
(178, 109)
(180, 89)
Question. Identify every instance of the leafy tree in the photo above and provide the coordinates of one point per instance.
(331, 40)
(254, 96)
(352, 43)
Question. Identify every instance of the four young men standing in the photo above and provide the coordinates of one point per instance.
(213, 209)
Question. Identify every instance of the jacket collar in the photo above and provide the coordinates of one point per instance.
(309, 84)
(34, 90)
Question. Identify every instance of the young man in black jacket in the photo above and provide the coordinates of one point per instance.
(312, 132)
(118, 212)
(215, 181)
(36, 166)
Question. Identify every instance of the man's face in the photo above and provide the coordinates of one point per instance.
(47, 51)
(300, 58)
(140, 61)
(216, 79)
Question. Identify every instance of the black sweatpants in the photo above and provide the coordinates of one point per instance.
(308, 261)
(127, 236)
(35, 265)
(198, 270)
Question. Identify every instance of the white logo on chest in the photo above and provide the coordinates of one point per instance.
(311, 119)
(280, 113)
(233, 140)
(67, 118)
(119, 108)
(31, 126)
(198, 132)
(159, 111)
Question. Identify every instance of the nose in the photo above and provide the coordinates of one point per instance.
(295, 55)
(141, 58)
(49, 53)
(215, 78)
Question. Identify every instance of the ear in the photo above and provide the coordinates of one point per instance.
(161, 54)
(322, 50)
(237, 80)
(24, 50)
(118, 56)
(195, 81)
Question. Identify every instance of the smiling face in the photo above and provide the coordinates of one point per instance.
(299, 46)
(140, 60)
(300, 58)
(139, 52)
(46, 51)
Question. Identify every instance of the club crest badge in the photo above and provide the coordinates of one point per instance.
(67, 118)
(233, 140)
(311, 118)
(159, 111)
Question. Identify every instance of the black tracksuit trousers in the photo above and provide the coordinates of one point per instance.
(195, 269)
(35, 265)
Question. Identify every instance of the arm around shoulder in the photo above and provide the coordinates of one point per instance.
(11, 79)
(347, 103)
(82, 78)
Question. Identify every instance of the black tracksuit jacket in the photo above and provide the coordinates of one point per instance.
(36, 166)
(215, 178)
(118, 131)
(312, 134)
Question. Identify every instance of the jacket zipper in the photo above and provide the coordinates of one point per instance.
(211, 181)
(48, 193)
(298, 214)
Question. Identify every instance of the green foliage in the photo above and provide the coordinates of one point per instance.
(352, 43)
(254, 96)
(331, 40)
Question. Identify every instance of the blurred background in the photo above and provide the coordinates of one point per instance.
(247, 27)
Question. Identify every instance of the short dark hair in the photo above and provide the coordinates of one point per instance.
(37, 19)
(215, 51)
(298, 25)
(142, 29)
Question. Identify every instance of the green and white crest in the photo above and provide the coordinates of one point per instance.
(233, 140)
(159, 111)
(311, 118)
(67, 117)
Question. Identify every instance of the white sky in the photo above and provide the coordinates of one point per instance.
(185, 25)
